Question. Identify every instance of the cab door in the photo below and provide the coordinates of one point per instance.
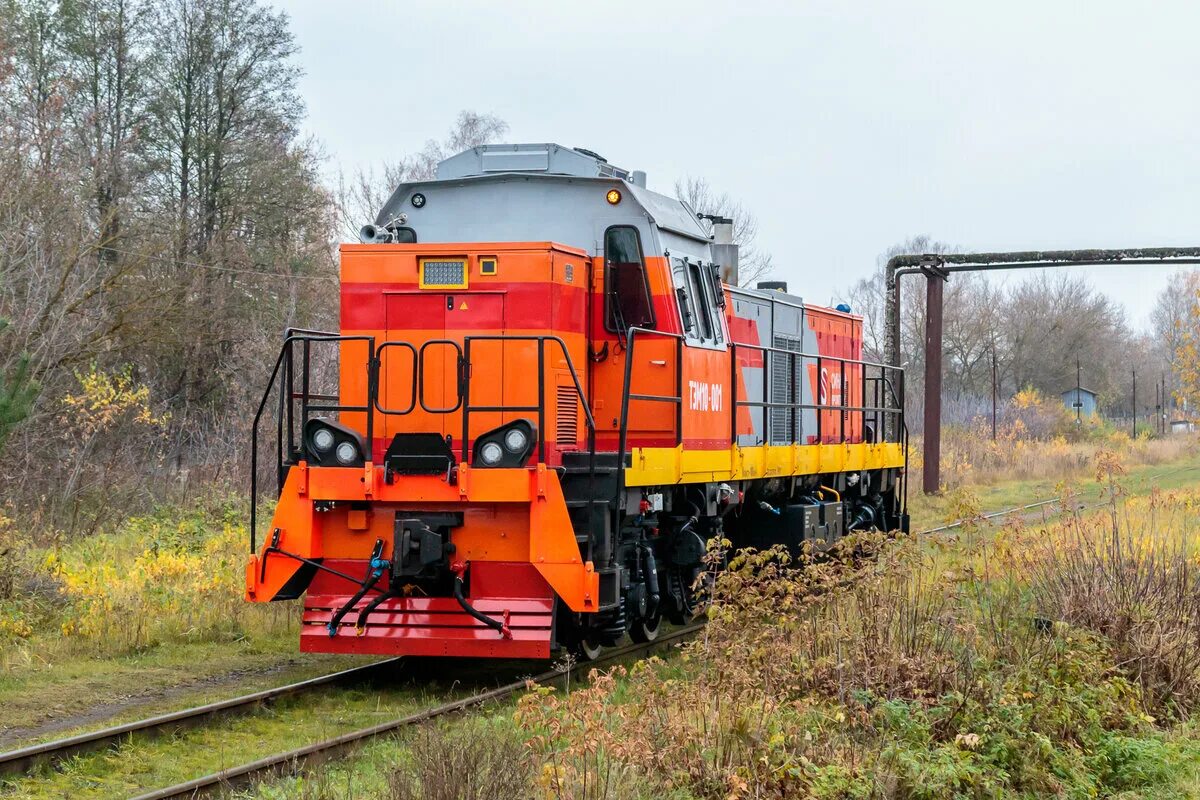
(707, 421)
(625, 285)
(436, 324)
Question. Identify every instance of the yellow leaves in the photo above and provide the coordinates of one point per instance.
(1028, 398)
(166, 589)
(968, 741)
(105, 399)
(15, 627)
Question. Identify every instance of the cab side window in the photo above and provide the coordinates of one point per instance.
(699, 307)
(626, 287)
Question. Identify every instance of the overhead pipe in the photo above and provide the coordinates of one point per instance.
(938, 266)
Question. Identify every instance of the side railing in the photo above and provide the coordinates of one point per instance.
(885, 387)
(287, 432)
(297, 404)
(880, 387)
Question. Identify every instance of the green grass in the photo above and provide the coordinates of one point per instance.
(146, 764)
(929, 511)
(38, 700)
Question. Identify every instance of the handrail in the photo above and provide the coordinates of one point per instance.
(627, 395)
(540, 408)
(412, 400)
(841, 408)
(283, 365)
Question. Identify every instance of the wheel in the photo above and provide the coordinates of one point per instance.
(646, 630)
(681, 603)
(588, 648)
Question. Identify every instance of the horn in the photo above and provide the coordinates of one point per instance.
(373, 234)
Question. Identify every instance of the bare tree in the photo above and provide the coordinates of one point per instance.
(365, 192)
(753, 263)
(1172, 310)
(868, 297)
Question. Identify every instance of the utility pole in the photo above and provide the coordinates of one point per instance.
(1158, 407)
(995, 390)
(1079, 394)
(1134, 404)
(1163, 394)
(935, 279)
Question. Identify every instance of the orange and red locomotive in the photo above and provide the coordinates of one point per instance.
(551, 397)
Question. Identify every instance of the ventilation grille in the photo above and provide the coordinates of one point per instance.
(784, 389)
(566, 428)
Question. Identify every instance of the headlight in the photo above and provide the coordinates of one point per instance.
(346, 453)
(516, 440)
(507, 447)
(323, 439)
(490, 454)
(328, 443)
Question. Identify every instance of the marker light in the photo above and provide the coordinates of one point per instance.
(515, 440)
(491, 453)
(323, 439)
(613, 197)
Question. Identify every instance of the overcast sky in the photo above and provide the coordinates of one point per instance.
(846, 127)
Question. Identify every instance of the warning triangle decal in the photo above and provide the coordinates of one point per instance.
(463, 307)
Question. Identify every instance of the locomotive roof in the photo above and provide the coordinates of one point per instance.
(528, 192)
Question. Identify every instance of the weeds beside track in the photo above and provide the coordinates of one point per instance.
(24, 759)
(293, 760)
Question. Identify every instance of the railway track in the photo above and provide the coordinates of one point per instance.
(293, 760)
(24, 760)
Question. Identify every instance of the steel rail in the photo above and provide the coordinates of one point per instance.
(293, 760)
(23, 760)
(1038, 504)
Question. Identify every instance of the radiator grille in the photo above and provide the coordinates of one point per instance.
(785, 388)
(566, 428)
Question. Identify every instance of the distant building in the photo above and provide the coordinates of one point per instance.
(1078, 398)
(1182, 426)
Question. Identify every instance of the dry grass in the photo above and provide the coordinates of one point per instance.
(1031, 663)
(480, 762)
(971, 458)
(1038, 439)
(171, 577)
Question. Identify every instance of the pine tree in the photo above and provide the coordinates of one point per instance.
(17, 393)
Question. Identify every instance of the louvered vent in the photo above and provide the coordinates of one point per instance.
(566, 427)
(784, 389)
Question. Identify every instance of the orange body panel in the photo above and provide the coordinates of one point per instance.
(523, 506)
(516, 548)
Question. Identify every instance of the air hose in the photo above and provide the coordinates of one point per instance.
(491, 622)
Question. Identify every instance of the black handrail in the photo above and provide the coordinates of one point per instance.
(627, 395)
(842, 408)
(540, 408)
(287, 430)
(284, 366)
(412, 400)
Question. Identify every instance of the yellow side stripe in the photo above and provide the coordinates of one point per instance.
(654, 466)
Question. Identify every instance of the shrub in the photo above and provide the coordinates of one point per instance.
(463, 762)
(982, 666)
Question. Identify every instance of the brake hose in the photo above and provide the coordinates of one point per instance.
(491, 622)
